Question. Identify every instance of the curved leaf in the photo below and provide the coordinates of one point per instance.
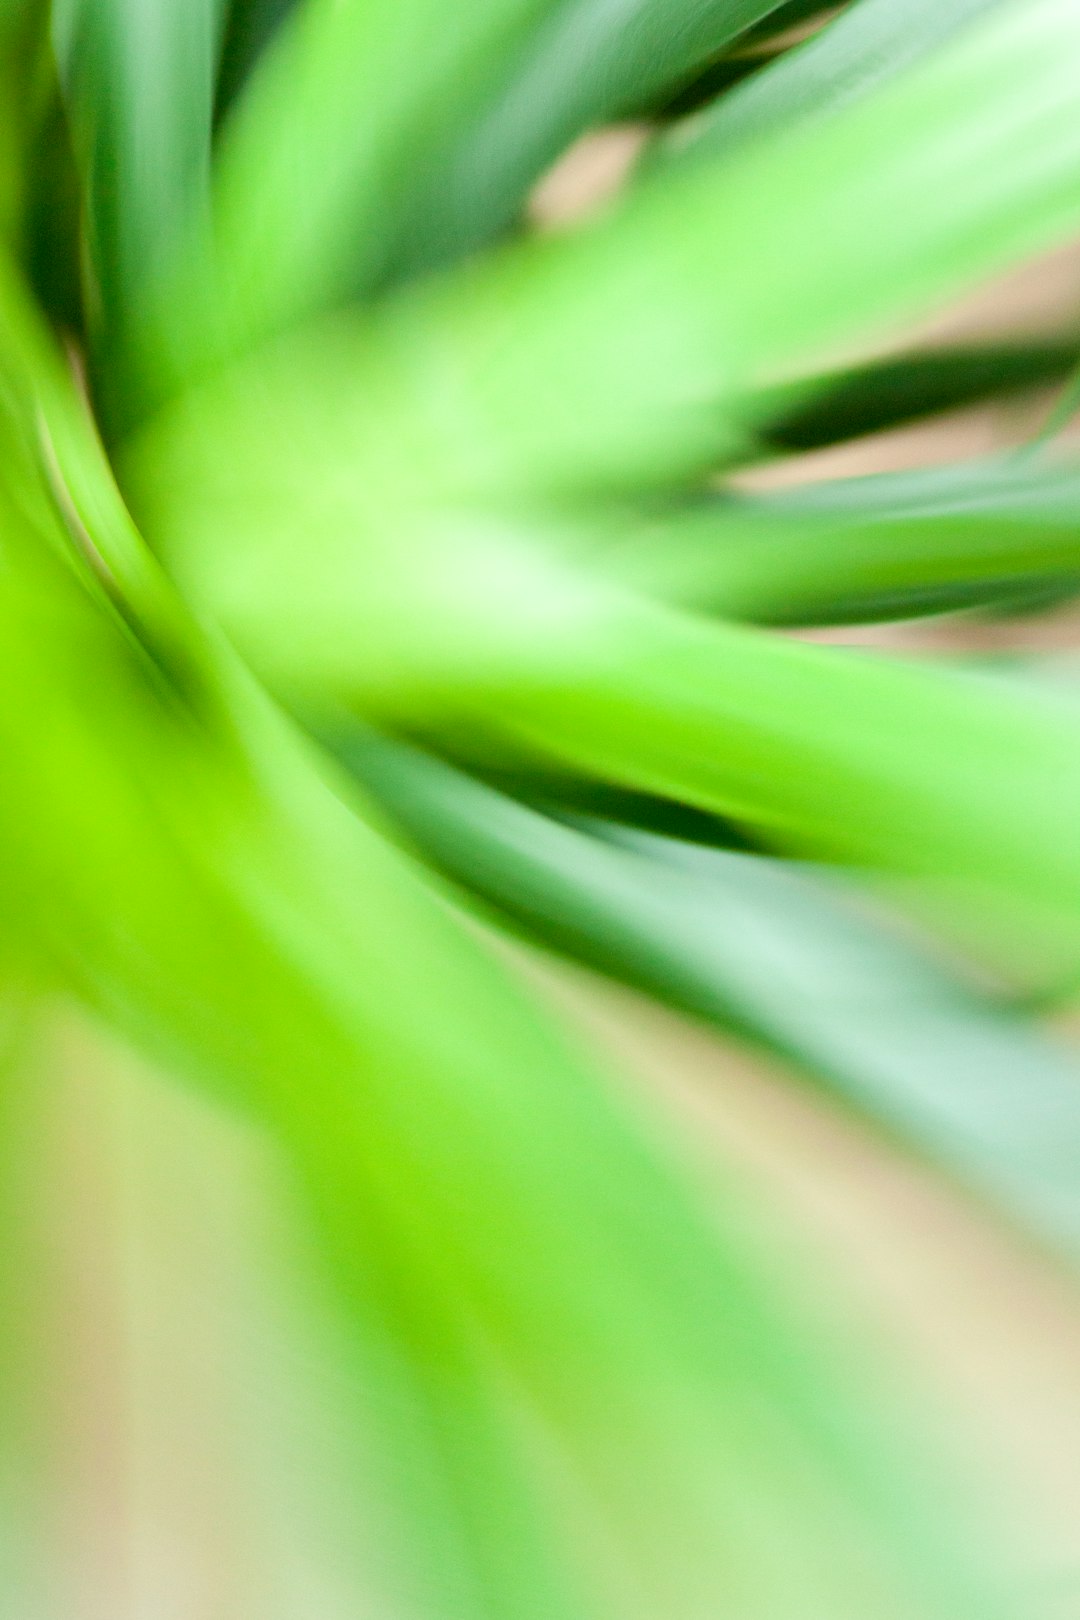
(140, 80)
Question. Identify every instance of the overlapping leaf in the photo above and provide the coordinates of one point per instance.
(888, 393)
(636, 354)
(425, 451)
(584, 63)
(413, 512)
(868, 44)
(885, 546)
(342, 105)
(778, 954)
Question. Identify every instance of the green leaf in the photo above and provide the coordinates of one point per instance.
(788, 16)
(637, 353)
(402, 451)
(888, 393)
(785, 957)
(401, 446)
(250, 26)
(585, 62)
(869, 43)
(851, 550)
(748, 273)
(941, 776)
(347, 100)
(24, 87)
(139, 76)
(51, 228)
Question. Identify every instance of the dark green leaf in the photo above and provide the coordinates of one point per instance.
(792, 15)
(24, 90)
(869, 43)
(585, 62)
(888, 393)
(250, 26)
(887, 546)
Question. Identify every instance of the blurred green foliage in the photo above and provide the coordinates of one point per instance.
(371, 557)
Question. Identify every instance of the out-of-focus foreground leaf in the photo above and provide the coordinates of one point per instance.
(421, 455)
(778, 954)
(21, 84)
(846, 754)
(413, 510)
(250, 26)
(636, 354)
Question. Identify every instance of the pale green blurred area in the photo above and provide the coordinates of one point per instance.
(179, 1457)
(183, 1458)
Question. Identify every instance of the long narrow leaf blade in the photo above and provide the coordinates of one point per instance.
(250, 26)
(868, 44)
(639, 353)
(341, 106)
(586, 61)
(876, 547)
(22, 33)
(139, 76)
(936, 775)
(746, 273)
(889, 393)
(782, 956)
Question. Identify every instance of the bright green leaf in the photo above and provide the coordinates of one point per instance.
(348, 98)
(636, 354)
